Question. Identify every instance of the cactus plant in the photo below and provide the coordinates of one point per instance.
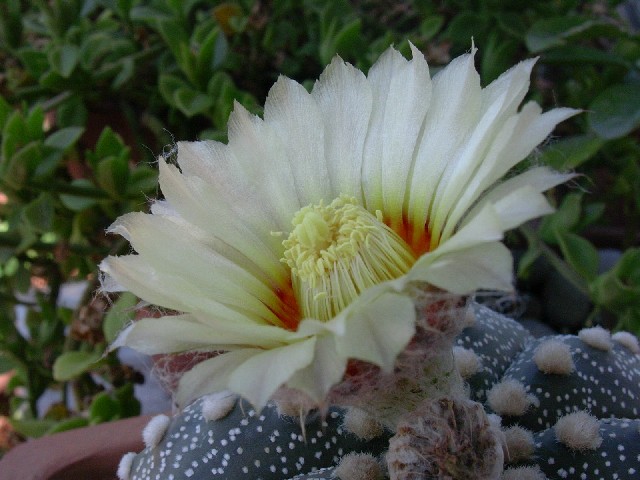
(225, 437)
(579, 446)
(552, 379)
(565, 373)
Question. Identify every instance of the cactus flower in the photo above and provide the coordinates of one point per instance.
(291, 249)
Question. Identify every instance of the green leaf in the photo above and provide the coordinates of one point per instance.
(5, 112)
(34, 61)
(616, 111)
(571, 152)
(77, 203)
(103, 408)
(555, 32)
(563, 220)
(527, 260)
(497, 56)
(192, 102)
(20, 165)
(33, 124)
(143, 180)
(120, 314)
(71, 364)
(129, 404)
(127, 67)
(466, 25)
(430, 26)
(39, 213)
(64, 138)
(32, 428)
(580, 254)
(581, 55)
(109, 144)
(348, 40)
(63, 59)
(68, 424)
(619, 288)
(112, 175)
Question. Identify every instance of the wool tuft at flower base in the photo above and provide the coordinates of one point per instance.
(326, 240)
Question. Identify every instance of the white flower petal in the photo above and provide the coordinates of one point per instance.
(295, 117)
(378, 331)
(455, 104)
(266, 171)
(401, 94)
(259, 376)
(228, 180)
(160, 288)
(225, 281)
(344, 96)
(180, 333)
(326, 370)
(215, 214)
(519, 136)
(482, 266)
(211, 375)
(539, 178)
(510, 87)
(520, 206)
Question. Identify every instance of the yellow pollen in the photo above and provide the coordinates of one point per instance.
(337, 251)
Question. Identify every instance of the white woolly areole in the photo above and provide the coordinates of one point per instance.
(362, 424)
(469, 318)
(155, 430)
(554, 356)
(628, 340)
(218, 405)
(359, 466)
(467, 362)
(524, 473)
(495, 420)
(579, 431)
(597, 337)
(510, 397)
(520, 445)
(124, 467)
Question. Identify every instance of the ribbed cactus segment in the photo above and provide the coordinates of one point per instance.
(606, 382)
(496, 340)
(248, 444)
(616, 457)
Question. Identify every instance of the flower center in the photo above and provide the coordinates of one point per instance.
(337, 251)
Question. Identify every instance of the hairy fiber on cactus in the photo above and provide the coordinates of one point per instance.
(297, 247)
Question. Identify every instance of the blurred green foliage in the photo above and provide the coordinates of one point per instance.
(93, 90)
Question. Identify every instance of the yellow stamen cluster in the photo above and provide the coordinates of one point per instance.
(337, 251)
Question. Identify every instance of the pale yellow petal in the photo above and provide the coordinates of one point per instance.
(267, 174)
(378, 331)
(179, 333)
(453, 111)
(197, 263)
(344, 97)
(296, 118)
(325, 371)
(259, 376)
(211, 375)
(213, 212)
(482, 266)
(401, 95)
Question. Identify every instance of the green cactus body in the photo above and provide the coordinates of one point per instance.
(571, 391)
(616, 457)
(604, 382)
(247, 444)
